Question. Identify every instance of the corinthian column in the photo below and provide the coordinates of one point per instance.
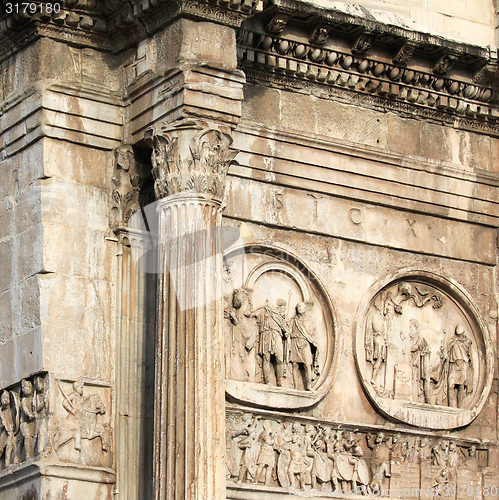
(190, 162)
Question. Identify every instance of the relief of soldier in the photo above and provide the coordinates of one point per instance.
(23, 422)
(270, 344)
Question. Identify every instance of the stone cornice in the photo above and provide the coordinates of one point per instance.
(113, 25)
(331, 70)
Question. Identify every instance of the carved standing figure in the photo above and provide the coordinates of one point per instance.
(297, 464)
(441, 453)
(274, 333)
(460, 379)
(241, 337)
(421, 352)
(425, 451)
(248, 459)
(266, 460)
(9, 427)
(304, 348)
(349, 467)
(380, 459)
(375, 344)
(28, 418)
(41, 404)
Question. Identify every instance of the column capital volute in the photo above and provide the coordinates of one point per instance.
(190, 156)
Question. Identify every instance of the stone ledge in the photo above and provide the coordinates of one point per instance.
(33, 470)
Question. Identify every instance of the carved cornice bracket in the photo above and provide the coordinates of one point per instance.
(190, 156)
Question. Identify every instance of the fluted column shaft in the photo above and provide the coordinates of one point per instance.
(190, 162)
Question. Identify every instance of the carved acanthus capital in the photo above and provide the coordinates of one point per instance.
(190, 157)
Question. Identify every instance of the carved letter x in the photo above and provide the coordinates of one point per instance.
(410, 229)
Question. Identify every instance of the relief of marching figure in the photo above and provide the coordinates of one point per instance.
(300, 455)
(23, 422)
(419, 347)
(270, 345)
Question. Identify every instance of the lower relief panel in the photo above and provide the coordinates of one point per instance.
(56, 438)
(271, 455)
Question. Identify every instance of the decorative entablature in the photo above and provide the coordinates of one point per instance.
(299, 46)
(112, 25)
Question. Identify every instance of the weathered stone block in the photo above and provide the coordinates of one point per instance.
(261, 105)
(404, 135)
(30, 257)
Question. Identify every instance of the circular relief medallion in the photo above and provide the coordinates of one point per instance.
(423, 353)
(280, 330)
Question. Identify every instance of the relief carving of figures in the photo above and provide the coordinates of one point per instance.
(82, 422)
(9, 427)
(350, 470)
(380, 459)
(304, 348)
(441, 453)
(419, 347)
(266, 461)
(292, 459)
(28, 418)
(242, 337)
(303, 455)
(280, 336)
(460, 380)
(322, 464)
(235, 433)
(420, 363)
(248, 445)
(274, 341)
(42, 415)
(425, 451)
(264, 344)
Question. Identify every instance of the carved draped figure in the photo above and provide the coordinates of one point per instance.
(303, 337)
(460, 363)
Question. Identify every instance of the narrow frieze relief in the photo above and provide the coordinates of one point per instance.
(24, 421)
(280, 330)
(299, 455)
(70, 424)
(190, 157)
(423, 353)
